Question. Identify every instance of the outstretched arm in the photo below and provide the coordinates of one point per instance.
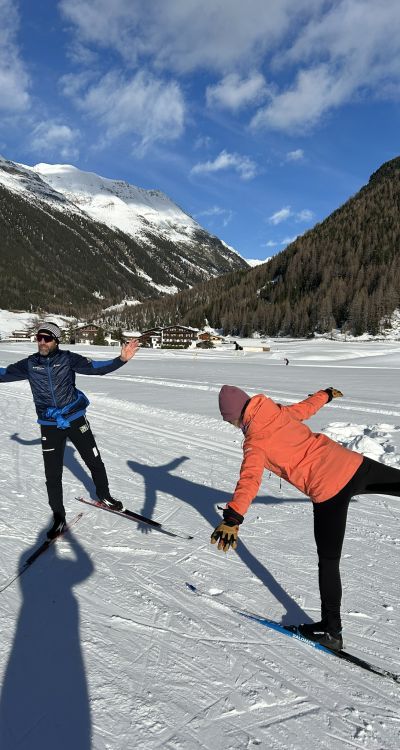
(86, 366)
(251, 471)
(14, 372)
(305, 409)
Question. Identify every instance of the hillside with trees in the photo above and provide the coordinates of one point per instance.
(344, 273)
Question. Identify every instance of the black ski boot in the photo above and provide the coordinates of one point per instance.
(57, 527)
(313, 630)
(109, 502)
(318, 631)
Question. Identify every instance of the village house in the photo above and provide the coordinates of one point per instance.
(84, 334)
(24, 334)
(175, 336)
(208, 336)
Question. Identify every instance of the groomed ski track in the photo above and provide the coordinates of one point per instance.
(161, 670)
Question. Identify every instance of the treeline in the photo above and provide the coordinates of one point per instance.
(344, 273)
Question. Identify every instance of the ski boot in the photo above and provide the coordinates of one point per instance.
(58, 526)
(109, 502)
(313, 630)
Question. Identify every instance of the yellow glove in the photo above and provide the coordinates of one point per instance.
(226, 536)
(226, 533)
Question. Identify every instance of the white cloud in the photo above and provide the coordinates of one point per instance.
(282, 215)
(185, 36)
(74, 84)
(202, 142)
(352, 49)
(224, 214)
(56, 139)
(286, 213)
(285, 241)
(305, 215)
(80, 54)
(332, 51)
(245, 167)
(297, 155)
(150, 108)
(234, 92)
(288, 240)
(14, 80)
(315, 91)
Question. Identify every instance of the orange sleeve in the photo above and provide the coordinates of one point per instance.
(251, 472)
(305, 409)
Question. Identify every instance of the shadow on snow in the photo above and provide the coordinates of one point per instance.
(44, 700)
(204, 500)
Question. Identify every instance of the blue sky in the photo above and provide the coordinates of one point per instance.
(258, 118)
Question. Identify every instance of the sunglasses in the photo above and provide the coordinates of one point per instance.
(44, 337)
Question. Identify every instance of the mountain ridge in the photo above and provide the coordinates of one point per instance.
(161, 253)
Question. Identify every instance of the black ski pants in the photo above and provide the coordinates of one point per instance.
(329, 529)
(53, 447)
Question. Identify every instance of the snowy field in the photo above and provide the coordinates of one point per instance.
(104, 647)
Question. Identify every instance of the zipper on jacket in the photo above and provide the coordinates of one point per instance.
(50, 383)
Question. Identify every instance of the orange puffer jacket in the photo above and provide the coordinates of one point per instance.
(276, 439)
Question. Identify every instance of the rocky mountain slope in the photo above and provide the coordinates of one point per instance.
(72, 240)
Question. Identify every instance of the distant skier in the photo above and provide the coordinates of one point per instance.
(61, 409)
(277, 439)
(286, 361)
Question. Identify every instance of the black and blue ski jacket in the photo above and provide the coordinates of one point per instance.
(52, 381)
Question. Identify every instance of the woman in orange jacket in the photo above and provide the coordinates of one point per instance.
(276, 439)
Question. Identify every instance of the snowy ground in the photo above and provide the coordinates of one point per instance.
(103, 647)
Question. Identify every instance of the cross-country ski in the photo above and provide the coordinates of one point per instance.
(132, 516)
(293, 632)
(38, 552)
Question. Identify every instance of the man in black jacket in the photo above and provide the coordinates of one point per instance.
(61, 410)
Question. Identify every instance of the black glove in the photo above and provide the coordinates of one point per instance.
(333, 393)
(226, 533)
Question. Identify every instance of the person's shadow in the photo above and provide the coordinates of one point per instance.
(44, 700)
(204, 500)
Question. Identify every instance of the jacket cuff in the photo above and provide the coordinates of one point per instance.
(231, 517)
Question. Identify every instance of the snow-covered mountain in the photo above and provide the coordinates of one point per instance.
(141, 234)
(253, 262)
(118, 204)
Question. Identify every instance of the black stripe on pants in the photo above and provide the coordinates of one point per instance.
(329, 529)
(53, 447)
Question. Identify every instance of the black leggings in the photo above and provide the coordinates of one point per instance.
(53, 446)
(330, 526)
